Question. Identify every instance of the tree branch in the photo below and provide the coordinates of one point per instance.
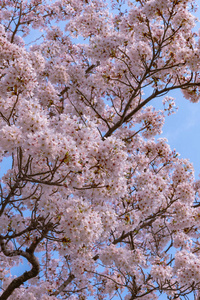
(32, 259)
(26, 275)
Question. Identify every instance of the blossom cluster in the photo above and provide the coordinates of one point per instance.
(94, 201)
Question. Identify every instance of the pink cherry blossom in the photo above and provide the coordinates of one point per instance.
(95, 203)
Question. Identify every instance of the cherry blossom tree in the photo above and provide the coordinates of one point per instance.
(97, 206)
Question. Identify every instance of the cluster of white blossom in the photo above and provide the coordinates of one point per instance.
(93, 201)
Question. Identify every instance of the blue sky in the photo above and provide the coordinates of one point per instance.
(182, 129)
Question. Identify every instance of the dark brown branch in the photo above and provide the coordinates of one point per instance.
(26, 275)
(17, 25)
(64, 285)
(155, 94)
(7, 199)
